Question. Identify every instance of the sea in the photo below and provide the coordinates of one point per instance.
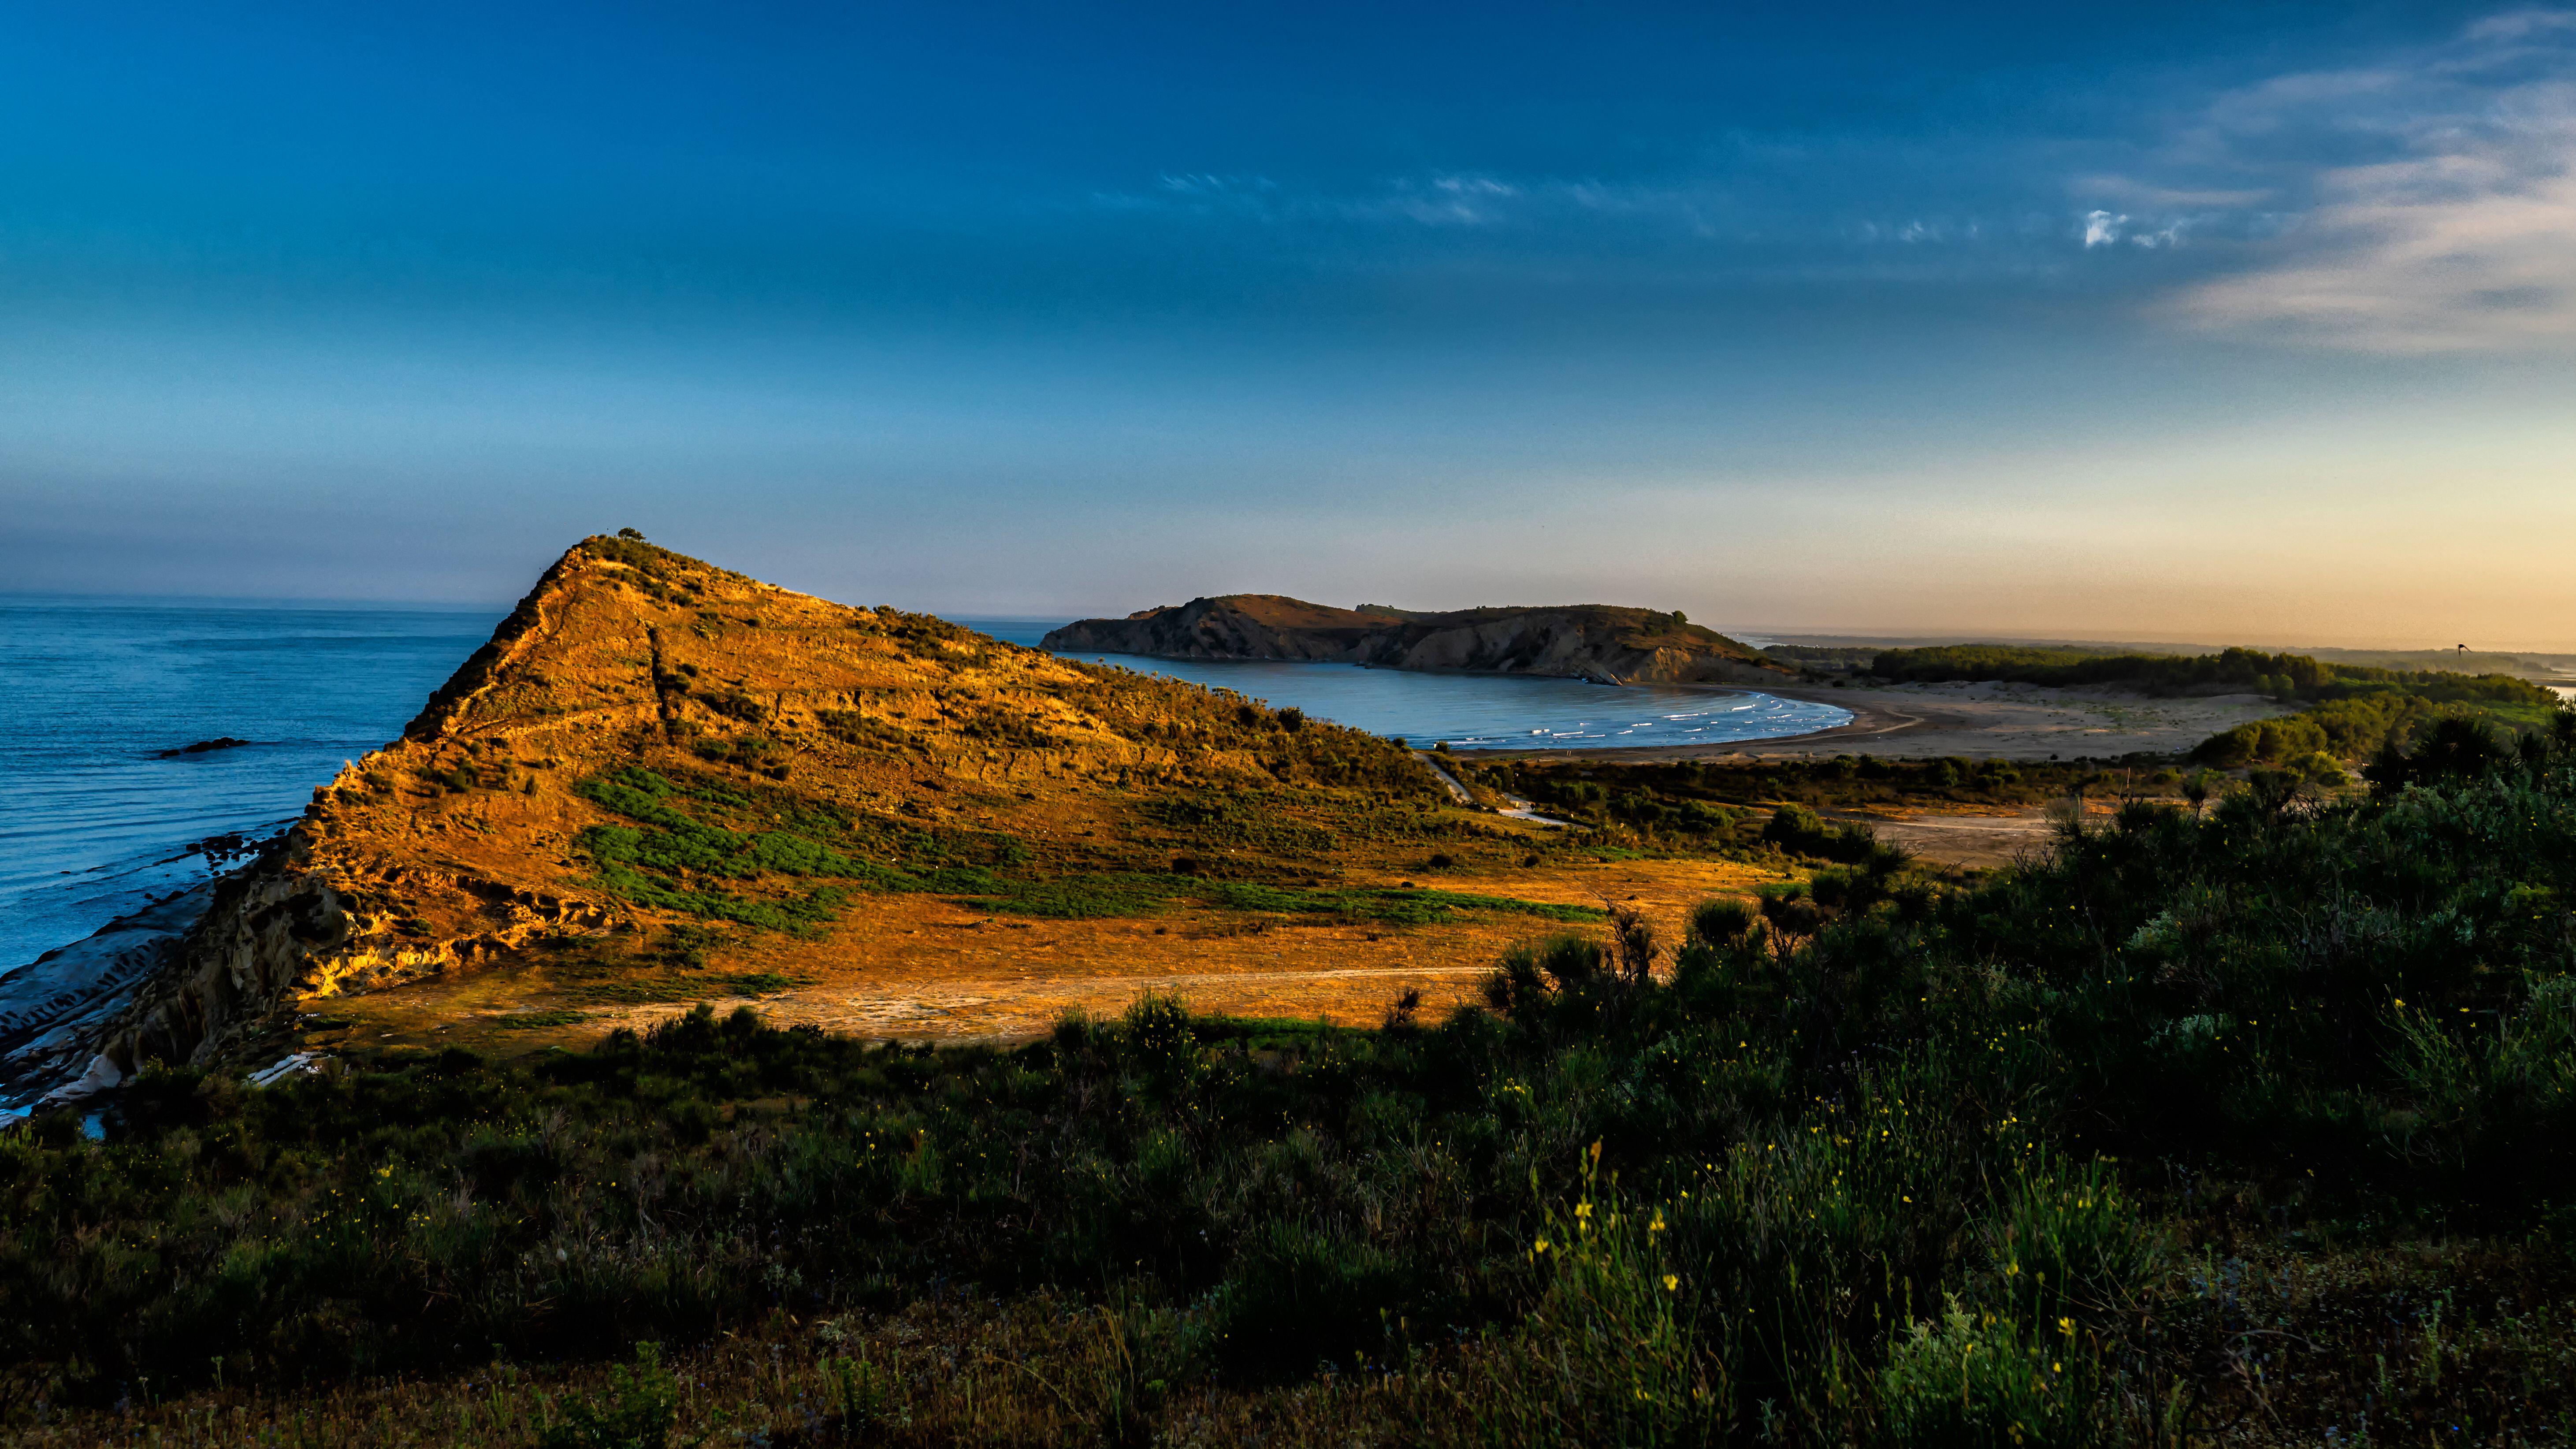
(1477, 711)
(99, 817)
(96, 820)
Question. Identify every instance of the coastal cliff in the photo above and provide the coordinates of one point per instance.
(1605, 643)
(656, 766)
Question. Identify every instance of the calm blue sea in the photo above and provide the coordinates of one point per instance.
(94, 822)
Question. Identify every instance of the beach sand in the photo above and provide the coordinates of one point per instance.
(1981, 720)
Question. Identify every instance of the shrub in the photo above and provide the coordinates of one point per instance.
(1616, 1351)
(643, 1402)
(1721, 922)
(2453, 747)
(1975, 1382)
(1299, 1295)
(1800, 831)
(2066, 1242)
(1156, 1038)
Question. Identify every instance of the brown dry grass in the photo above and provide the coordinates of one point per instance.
(921, 968)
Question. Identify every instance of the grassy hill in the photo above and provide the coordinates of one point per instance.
(662, 781)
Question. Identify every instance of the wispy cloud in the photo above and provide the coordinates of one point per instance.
(1435, 200)
(1714, 216)
(2424, 202)
(2452, 225)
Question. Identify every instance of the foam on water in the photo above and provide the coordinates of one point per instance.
(1479, 711)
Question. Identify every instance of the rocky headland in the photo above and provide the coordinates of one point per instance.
(662, 781)
(1604, 643)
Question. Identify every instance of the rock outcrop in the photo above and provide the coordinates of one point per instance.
(56, 1012)
(1605, 643)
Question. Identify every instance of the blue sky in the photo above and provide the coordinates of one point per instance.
(2231, 321)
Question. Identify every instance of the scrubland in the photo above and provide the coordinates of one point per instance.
(2249, 1120)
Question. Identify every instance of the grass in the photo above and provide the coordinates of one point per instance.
(538, 1020)
(1390, 907)
(674, 859)
(2249, 1126)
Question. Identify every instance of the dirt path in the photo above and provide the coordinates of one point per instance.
(1457, 792)
(1519, 809)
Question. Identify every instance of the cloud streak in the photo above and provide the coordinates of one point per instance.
(2459, 236)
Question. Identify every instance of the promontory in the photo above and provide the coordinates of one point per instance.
(1605, 643)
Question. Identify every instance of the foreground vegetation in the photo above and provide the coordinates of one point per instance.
(1734, 800)
(2248, 1125)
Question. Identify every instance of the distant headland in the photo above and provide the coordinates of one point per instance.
(1605, 643)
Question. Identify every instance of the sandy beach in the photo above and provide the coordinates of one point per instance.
(1980, 720)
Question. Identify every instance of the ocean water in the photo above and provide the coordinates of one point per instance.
(1478, 711)
(94, 823)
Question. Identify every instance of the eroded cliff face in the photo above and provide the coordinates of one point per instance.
(1604, 643)
(334, 905)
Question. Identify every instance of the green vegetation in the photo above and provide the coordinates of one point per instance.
(2348, 701)
(1726, 806)
(656, 572)
(2364, 726)
(540, 1020)
(693, 848)
(2254, 1125)
(2344, 729)
(1389, 907)
(1824, 658)
(2282, 676)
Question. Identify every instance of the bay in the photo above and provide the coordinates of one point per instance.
(1477, 711)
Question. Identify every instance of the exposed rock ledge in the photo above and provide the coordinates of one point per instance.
(188, 978)
(1605, 643)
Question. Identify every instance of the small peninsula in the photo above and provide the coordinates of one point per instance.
(1604, 643)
